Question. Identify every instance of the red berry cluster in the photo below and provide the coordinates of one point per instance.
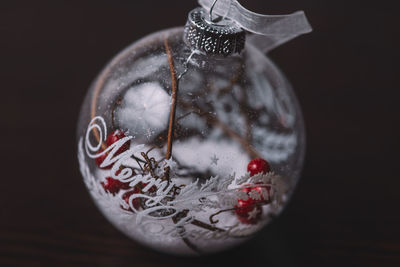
(113, 186)
(249, 210)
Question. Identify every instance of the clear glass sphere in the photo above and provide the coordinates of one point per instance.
(187, 152)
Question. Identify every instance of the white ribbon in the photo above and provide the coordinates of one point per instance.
(269, 31)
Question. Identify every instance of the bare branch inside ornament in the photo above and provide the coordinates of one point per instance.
(174, 97)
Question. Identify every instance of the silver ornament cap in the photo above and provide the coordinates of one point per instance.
(222, 38)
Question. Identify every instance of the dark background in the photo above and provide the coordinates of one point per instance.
(345, 211)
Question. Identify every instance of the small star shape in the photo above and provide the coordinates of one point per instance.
(214, 160)
(253, 214)
(149, 133)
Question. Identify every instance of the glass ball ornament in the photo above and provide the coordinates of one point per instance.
(191, 146)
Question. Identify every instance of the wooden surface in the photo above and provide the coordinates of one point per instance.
(345, 211)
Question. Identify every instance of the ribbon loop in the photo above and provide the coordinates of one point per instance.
(270, 30)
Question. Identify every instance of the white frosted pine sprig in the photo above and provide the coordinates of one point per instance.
(104, 198)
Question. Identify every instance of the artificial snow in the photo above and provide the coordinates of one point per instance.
(144, 110)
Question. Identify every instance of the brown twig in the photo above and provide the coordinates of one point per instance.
(149, 165)
(225, 128)
(174, 101)
(188, 243)
(261, 203)
(206, 226)
(171, 126)
(93, 114)
(117, 102)
(245, 113)
(243, 100)
(227, 89)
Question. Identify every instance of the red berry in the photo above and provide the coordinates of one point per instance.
(249, 210)
(113, 185)
(135, 201)
(258, 165)
(116, 136)
(111, 139)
